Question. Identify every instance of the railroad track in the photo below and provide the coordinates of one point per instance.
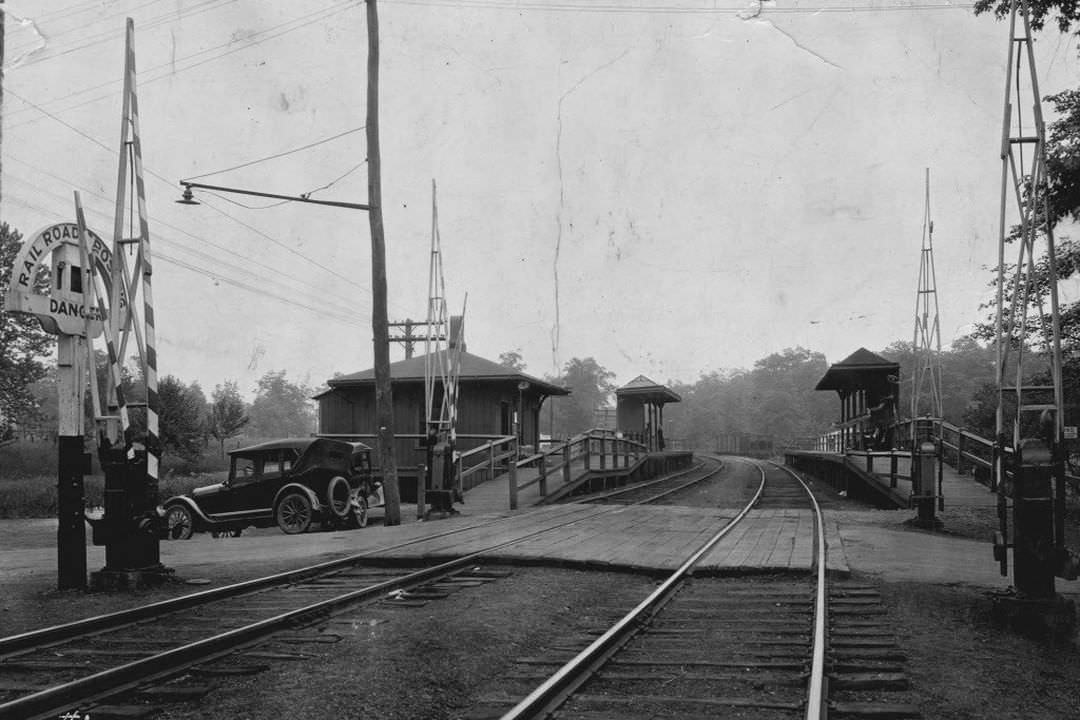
(695, 647)
(706, 647)
(73, 667)
(651, 491)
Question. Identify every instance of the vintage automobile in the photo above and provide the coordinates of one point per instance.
(292, 483)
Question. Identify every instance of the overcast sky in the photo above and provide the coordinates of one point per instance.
(669, 186)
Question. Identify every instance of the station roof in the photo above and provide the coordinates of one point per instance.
(473, 368)
(858, 370)
(649, 391)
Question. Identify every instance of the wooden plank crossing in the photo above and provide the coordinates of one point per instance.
(774, 540)
(637, 538)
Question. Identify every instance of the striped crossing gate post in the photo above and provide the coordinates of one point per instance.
(132, 529)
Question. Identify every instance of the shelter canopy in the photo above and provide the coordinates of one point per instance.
(645, 390)
(861, 370)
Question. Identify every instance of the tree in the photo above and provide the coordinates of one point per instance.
(785, 403)
(281, 408)
(23, 344)
(1068, 11)
(512, 359)
(182, 409)
(228, 414)
(590, 386)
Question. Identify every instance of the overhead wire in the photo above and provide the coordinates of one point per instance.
(283, 153)
(109, 35)
(169, 69)
(273, 281)
(210, 205)
(76, 9)
(304, 195)
(607, 7)
(221, 277)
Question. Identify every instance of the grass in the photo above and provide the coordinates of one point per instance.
(28, 478)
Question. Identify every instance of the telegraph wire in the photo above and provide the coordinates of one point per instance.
(273, 280)
(150, 172)
(65, 123)
(304, 195)
(77, 9)
(337, 315)
(209, 205)
(672, 9)
(283, 154)
(166, 70)
(110, 35)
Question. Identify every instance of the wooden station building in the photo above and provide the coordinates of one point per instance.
(494, 400)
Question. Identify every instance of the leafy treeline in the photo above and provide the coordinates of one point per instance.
(776, 397)
(188, 420)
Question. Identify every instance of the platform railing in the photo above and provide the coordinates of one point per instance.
(597, 449)
(494, 455)
(962, 449)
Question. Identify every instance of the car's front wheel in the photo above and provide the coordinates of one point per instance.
(179, 522)
(294, 513)
(360, 514)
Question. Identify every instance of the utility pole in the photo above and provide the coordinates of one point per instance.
(384, 404)
(3, 16)
(408, 339)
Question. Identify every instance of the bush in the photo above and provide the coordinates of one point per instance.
(28, 459)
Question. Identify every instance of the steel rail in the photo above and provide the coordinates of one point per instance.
(817, 696)
(677, 488)
(596, 497)
(51, 701)
(554, 691)
(67, 631)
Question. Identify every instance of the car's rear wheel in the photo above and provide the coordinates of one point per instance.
(294, 513)
(179, 523)
(337, 496)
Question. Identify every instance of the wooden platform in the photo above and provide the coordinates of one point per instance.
(651, 538)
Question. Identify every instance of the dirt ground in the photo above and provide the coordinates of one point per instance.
(964, 667)
(439, 660)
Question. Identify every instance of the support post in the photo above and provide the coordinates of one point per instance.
(384, 403)
(512, 479)
(421, 489)
(542, 466)
(566, 464)
(71, 463)
(924, 481)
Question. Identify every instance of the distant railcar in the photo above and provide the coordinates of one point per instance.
(748, 444)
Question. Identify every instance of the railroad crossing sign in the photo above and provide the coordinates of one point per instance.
(64, 310)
